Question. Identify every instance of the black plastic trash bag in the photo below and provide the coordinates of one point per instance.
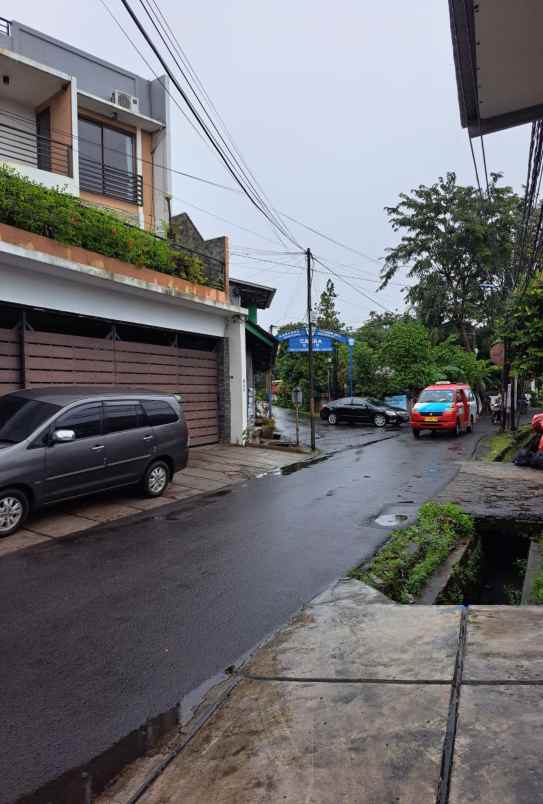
(536, 460)
(524, 457)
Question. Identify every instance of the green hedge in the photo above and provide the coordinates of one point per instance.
(403, 567)
(55, 214)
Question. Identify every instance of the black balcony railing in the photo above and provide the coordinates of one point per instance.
(95, 177)
(5, 27)
(28, 148)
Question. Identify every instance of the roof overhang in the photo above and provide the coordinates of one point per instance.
(27, 82)
(498, 58)
(108, 109)
(260, 296)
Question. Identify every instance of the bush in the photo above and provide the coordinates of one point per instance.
(403, 567)
(60, 216)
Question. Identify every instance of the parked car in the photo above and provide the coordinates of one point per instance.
(445, 406)
(363, 409)
(60, 443)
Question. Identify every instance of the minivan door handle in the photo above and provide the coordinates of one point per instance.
(97, 447)
(148, 438)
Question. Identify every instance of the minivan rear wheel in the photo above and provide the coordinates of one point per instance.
(14, 509)
(156, 479)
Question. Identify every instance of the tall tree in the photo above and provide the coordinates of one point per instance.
(458, 248)
(327, 316)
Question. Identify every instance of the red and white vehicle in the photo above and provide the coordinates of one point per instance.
(445, 406)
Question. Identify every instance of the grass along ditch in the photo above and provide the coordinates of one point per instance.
(450, 557)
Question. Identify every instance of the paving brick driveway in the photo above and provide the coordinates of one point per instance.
(210, 468)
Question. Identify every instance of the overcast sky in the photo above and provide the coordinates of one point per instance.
(336, 109)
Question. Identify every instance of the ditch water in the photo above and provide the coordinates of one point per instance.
(493, 567)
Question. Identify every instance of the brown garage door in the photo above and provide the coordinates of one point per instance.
(62, 359)
(10, 371)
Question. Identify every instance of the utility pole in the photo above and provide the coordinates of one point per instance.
(310, 352)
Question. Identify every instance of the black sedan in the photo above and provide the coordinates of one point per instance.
(363, 410)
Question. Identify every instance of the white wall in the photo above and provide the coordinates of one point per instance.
(235, 332)
(51, 180)
(103, 299)
(161, 156)
(19, 147)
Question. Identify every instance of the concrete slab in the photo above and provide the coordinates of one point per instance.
(504, 643)
(499, 745)
(349, 589)
(313, 742)
(180, 492)
(199, 470)
(346, 639)
(59, 524)
(102, 511)
(190, 481)
(20, 540)
(149, 503)
(500, 490)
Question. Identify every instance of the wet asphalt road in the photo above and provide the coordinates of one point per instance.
(101, 631)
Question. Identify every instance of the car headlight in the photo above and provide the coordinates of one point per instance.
(390, 412)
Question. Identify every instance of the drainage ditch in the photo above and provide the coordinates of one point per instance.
(491, 569)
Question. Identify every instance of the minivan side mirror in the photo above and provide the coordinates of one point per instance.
(63, 436)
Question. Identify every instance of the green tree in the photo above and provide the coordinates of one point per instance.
(406, 357)
(326, 315)
(524, 327)
(458, 249)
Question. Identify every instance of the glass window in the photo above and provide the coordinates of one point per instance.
(107, 161)
(19, 417)
(85, 420)
(159, 412)
(436, 396)
(90, 140)
(357, 400)
(119, 416)
(118, 149)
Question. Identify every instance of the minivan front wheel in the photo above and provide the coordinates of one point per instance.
(14, 508)
(156, 479)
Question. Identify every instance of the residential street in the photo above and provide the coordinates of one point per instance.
(105, 629)
(328, 438)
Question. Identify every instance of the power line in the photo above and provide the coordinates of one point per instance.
(170, 35)
(242, 182)
(356, 289)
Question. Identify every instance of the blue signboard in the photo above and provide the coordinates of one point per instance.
(300, 343)
(399, 401)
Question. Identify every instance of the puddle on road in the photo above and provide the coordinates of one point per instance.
(391, 520)
(295, 467)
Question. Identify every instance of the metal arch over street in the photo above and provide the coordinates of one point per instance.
(298, 340)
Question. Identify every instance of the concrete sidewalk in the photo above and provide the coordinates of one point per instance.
(210, 468)
(361, 701)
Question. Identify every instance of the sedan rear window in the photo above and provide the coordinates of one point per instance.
(19, 417)
(436, 396)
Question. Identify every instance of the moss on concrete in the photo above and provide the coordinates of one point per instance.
(402, 568)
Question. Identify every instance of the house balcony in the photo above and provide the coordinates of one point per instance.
(19, 146)
(36, 131)
(111, 182)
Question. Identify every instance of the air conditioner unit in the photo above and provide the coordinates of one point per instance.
(125, 101)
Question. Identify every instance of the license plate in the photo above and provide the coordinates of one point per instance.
(431, 419)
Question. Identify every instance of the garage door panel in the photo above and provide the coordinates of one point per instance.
(61, 339)
(54, 358)
(56, 377)
(69, 364)
(138, 368)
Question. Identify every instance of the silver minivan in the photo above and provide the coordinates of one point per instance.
(59, 443)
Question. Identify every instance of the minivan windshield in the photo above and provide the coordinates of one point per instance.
(19, 417)
(436, 396)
